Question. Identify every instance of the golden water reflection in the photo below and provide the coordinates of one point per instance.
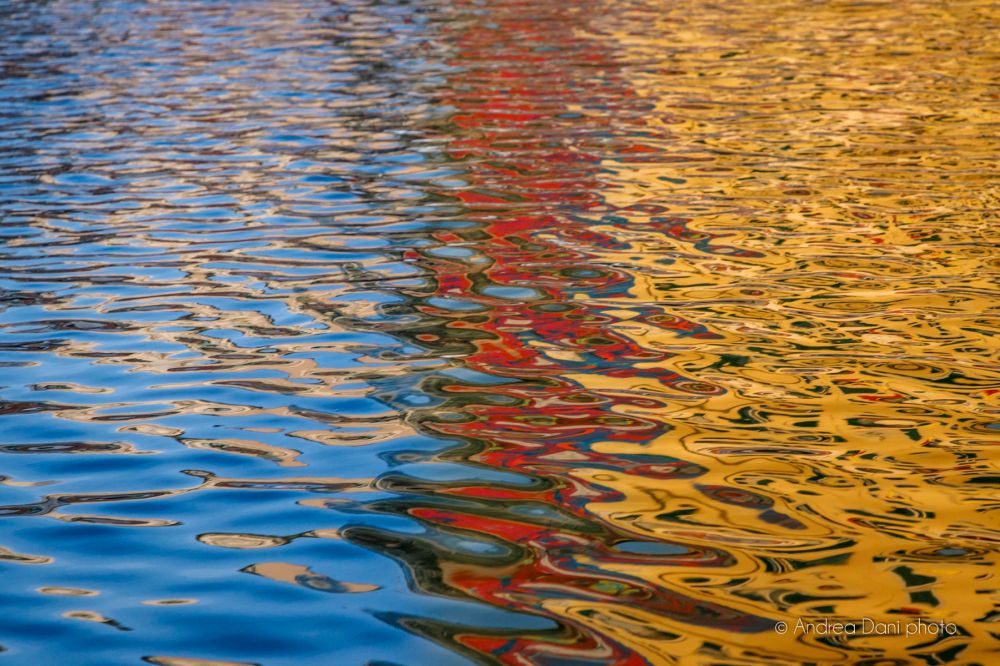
(832, 170)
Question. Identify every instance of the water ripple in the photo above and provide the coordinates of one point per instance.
(525, 333)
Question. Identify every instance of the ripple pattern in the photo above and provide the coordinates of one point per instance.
(507, 333)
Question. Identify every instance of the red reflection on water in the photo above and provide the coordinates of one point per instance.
(531, 131)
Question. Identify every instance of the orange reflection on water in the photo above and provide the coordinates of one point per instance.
(738, 258)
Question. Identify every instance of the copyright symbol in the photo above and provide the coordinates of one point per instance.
(780, 627)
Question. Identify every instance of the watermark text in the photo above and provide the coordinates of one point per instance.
(867, 626)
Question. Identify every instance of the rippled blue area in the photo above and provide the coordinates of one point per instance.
(196, 197)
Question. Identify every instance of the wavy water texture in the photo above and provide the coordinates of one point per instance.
(510, 332)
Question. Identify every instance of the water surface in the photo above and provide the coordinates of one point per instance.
(512, 332)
